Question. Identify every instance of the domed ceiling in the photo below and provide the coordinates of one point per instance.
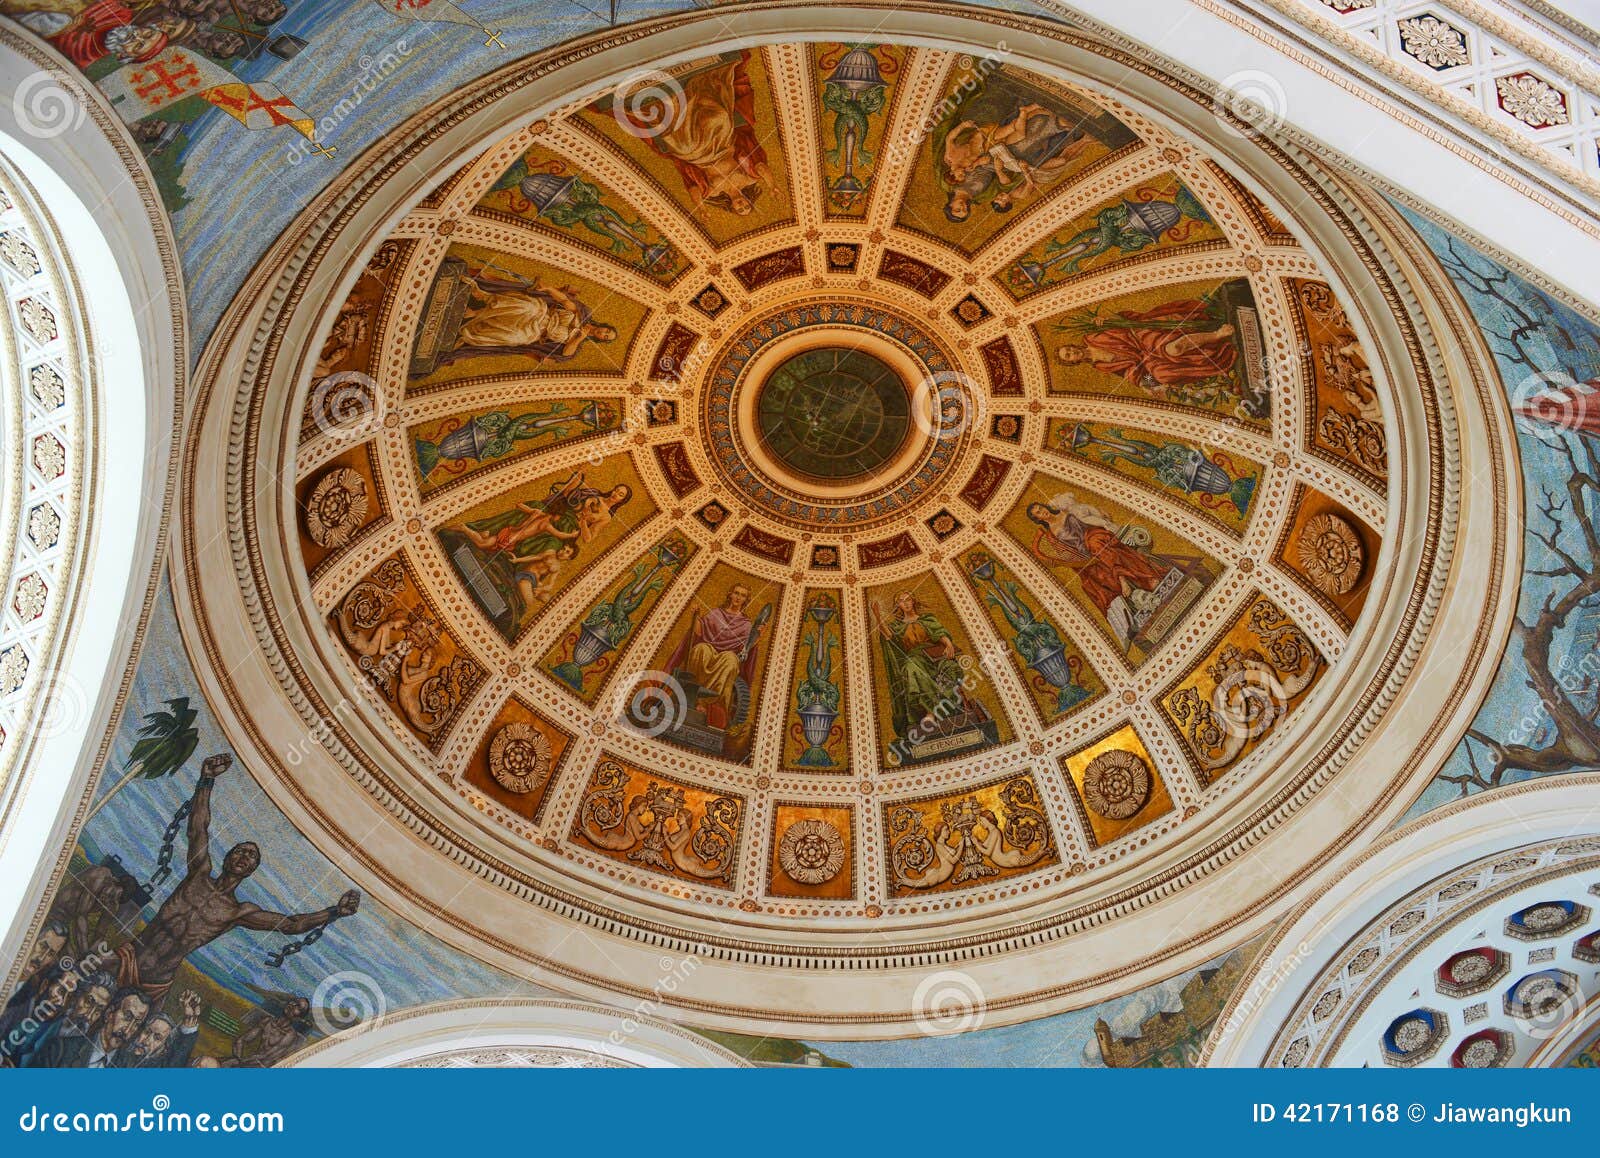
(814, 447)
(836, 508)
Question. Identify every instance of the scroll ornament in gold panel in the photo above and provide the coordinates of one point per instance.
(964, 839)
(1258, 672)
(658, 825)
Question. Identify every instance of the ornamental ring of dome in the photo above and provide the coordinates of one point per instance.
(830, 414)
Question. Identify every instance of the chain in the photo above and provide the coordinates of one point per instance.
(169, 841)
(277, 957)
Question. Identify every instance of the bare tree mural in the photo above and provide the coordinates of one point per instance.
(1558, 416)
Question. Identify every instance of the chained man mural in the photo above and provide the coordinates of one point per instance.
(203, 907)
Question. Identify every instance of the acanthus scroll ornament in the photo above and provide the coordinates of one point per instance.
(400, 648)
(1252, 689)
(971, 843)
(657, 828)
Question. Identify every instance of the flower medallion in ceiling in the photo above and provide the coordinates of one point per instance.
(817, 489)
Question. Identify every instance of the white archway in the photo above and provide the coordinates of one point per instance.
(1461, 869)
(115, 338)
(529, 1033)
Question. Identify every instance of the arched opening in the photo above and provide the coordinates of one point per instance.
(93, 356)
(561, 1034)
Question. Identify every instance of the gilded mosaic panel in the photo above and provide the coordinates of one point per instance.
(1155, 215)
(1196, 345)
(1348, 422)
(934, 699)
(856, 86)
(658, 825)
(707, 133)
(516, 552)
(403, 649)
(343, 392)
(1000, 141)
(1058, 676)
(338, 503)
(1136, 578)
(1220, 484)
(552, 193)
(1116, 785)
(491, 313)
(813, 852)
(704, 689)
(972, 838)
(1247, 684)
(1331, 551)
(589, 651)
(460, 445)
(517, 759)
(816, 732)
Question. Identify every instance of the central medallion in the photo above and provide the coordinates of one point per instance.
(834, 413)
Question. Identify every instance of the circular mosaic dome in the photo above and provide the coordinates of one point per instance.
(841, 507)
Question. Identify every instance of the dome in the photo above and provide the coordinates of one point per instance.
(843, 505)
